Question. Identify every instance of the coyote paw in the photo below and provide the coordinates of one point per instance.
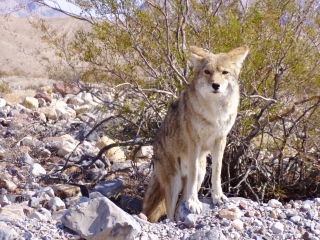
(219, 199)
(194, 205)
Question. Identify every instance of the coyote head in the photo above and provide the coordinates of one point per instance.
(216, 73)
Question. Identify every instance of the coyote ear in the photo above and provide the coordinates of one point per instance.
(239, 54)
(196, 55)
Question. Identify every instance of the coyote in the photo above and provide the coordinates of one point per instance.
(196, 124)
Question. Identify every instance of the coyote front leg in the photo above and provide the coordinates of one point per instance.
(217, 154)
(193, 203)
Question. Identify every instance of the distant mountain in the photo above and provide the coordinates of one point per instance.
(26, 8)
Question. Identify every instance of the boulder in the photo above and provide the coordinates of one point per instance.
(100, 219)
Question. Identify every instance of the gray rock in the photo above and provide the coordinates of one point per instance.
(207, 235)
(305, 207)
(34, 202)
(93, 195)
(291, 212)
(7, 233)
(191, 220)
(121, 166)
(100, 219)
(26, 159)
(183, 211)
(109, 188)
(93, 137)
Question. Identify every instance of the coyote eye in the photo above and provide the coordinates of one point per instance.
(225, 72)
(206, 72)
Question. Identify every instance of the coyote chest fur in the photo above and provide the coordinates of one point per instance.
(196, 124)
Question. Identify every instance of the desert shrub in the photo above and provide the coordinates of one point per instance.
(138, 54)
(5, 88)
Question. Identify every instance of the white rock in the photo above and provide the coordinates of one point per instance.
(4, 201)
(257, 222)
(295, 219)
(274, 203)
(43, 197)
(145, 152)
(30, 102)
(36, 170)
(277, 228)
(48, 190)
(66, 149)
(82, 109)
(49, 112)
(2, 102)
(87, 97)
(55, 204)
(42, 215)
(237, 224)
(69, 138)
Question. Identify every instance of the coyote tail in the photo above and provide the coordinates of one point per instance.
(154, 201)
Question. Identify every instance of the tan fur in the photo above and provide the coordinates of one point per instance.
(196, 124)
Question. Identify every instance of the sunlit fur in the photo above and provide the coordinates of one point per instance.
(196, 124)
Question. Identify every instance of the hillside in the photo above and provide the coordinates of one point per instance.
(22, 48)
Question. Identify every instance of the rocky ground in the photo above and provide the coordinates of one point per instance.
(53, 187)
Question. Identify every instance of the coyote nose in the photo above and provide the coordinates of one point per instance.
(215, 86)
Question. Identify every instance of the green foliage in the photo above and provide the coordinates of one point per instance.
(144, 53)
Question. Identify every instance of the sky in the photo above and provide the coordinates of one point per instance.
(64, 5)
